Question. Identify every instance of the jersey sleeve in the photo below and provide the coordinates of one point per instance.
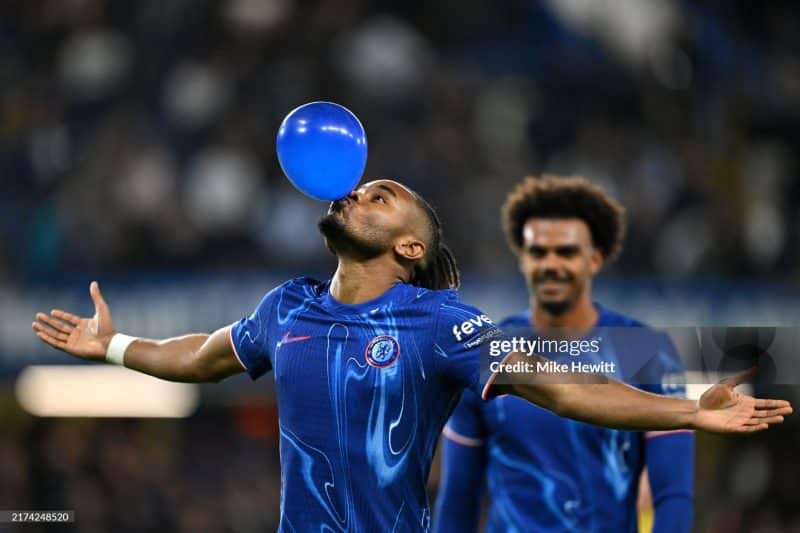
(670, 466)
(458, 501)
(664, 372)
(466, 426)
(461, 330)
(250, 337)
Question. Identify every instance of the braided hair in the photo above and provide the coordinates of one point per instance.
(438, 269)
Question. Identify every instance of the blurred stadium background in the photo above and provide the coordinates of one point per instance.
(137, 148)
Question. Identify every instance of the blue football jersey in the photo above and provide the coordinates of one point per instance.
(548, 473)
(363, 393)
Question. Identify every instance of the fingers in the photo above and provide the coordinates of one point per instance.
(764, 413)
(57, 325)
(99, 302)
(68, 317)
(52, 341)
(764, 403)
(771, 420)
(50, 332)
(768, 412)
(759, 420)
(765, 418)
(753, 429)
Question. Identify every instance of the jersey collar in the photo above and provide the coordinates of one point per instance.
(333, 305)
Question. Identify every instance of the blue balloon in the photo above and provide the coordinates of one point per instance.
(322, 149)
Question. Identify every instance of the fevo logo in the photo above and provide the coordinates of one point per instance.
(468, 327)
(382, 351)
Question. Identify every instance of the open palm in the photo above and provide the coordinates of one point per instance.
(724, 410)
(86, 338)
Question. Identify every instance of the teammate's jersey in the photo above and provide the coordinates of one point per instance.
(547, 473)
(363, 393)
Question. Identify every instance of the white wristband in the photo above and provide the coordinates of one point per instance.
(116, 348)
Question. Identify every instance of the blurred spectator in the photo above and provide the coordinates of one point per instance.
(142, 133)
(202, 474)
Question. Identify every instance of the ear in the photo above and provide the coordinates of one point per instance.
(596, 261)
(410, 248)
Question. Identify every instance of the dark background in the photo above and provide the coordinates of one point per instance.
(137, 148)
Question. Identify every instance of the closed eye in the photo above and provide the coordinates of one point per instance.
(537, 251)
(567, 251)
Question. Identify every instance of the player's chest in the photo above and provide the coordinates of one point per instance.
(515, 419)
(340, 354)
(514, 423)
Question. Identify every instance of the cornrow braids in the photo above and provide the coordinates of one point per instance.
(438, 269)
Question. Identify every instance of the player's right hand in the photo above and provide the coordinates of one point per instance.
(87, 338)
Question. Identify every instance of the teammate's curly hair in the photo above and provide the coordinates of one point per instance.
(557, 197)
(438, 269)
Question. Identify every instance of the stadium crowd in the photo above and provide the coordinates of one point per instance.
(218, 471)
(142, 133)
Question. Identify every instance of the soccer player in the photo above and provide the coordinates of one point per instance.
(544, 472)
(369, 365)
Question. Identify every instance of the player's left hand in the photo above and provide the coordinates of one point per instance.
(723, 410)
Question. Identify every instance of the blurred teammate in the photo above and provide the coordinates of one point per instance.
(544, 472)
(369, 365)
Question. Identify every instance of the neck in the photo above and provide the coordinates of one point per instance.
(357, 281)
(578, 319)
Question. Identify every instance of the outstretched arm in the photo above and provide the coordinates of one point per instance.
(610, 403)
(190, 358)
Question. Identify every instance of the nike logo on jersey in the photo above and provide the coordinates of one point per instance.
(288, 339)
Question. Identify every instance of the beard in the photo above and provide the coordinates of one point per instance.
(556, 306)
(341, 238)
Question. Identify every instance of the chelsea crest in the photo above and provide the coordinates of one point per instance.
(382, 351)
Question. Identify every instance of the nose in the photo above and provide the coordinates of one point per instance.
(549, 263)
(549, 259)
(355, 196)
